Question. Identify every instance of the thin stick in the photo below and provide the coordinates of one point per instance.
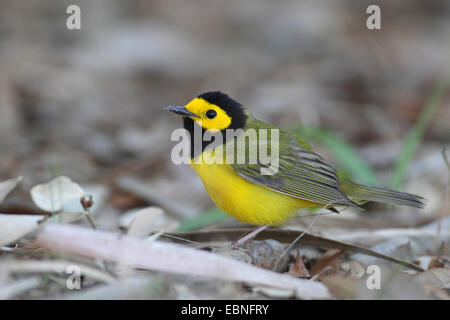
(249, 236)
(90, 220)
(294, 242)
(300, 236)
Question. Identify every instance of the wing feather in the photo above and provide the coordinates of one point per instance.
(301, 174)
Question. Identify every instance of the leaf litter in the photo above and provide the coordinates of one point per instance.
(325, 270)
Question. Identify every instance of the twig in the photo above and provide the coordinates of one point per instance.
(289, 247)
(167, 257)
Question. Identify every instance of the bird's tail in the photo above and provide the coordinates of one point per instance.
(360, 194)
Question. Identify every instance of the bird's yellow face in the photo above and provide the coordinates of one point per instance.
(209, 116)
(213, 111)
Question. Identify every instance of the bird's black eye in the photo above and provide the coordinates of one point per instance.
(211, 114)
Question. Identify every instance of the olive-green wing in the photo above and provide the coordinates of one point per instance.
(301, 173)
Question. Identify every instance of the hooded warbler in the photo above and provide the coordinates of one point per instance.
(301, 179)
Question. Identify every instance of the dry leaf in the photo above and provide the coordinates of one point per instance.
(329, 261)
(439, 277)
(298, 269)
(68, 217)
(436, 292)
(354, 268)
(387, 283)
(340, 286)
(435, 263)
(52, 196)
(15, 226)
(44, 266)
(423, 261)
(7, 186)
(142, 222)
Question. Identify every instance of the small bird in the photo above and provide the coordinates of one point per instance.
(303, 179)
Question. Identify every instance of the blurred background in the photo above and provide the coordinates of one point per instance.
(89, 103)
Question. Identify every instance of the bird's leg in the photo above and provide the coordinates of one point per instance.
(241, 241)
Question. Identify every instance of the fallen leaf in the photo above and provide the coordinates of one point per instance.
(340, 286)
(298, 269)
(423, 261)
(329, 261)
(15, 226)
(56, 266)
(435, 263)
(436, 292)
(439, 277)
(387, 283)
(7, 186)
(52, 196)
(143, 222)
(354, 268)
(68, 217)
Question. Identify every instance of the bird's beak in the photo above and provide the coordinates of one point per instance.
(181, 111)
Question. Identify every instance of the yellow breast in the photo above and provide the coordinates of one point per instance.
(244, 200)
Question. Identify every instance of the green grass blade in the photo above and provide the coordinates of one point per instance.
(210, 217)
(417, 132)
